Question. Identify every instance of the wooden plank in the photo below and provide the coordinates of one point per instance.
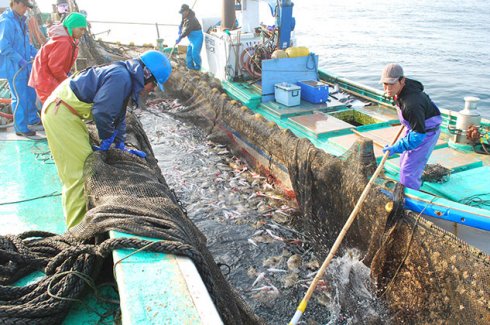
(156, 288)
(319, 123)
(382, 136)
(449, 158)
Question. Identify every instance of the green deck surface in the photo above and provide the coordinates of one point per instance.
(27, 173)
(471, 183)
(154, 288)
(156, 302)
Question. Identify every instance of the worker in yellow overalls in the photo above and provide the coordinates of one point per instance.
(101, 94)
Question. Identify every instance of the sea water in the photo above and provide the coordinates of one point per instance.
(445, 44)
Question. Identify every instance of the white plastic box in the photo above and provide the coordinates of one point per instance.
(287, 94)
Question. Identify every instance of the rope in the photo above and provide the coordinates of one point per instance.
(476, 200)
(73, 261)
(54, 194)
(69, 267)
(388, 286)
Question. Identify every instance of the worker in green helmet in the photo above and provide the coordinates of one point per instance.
(56, 58)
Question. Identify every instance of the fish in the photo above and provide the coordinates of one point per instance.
(258, 279)
(250, 240)
(274, 236)
(274, 270)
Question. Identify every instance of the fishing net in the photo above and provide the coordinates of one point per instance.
(424, 274)
(126, 194)
(436, 173)
(130, 195)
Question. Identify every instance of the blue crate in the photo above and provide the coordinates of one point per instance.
(287, 94)
(313, 91)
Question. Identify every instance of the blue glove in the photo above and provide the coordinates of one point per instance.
(391, 150)
(22, 63)
(412, 140)
(177, 41)
(409, 142)
(138, 153)
(106, 143)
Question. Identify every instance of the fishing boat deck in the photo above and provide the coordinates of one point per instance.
(153, 287)
(337, 124)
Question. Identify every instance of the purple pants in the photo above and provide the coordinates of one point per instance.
(412, 162)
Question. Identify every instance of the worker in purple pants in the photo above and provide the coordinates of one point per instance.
(421, 118)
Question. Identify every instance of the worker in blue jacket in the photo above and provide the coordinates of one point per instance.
(421, 118)
(100, 94)
(191, 28)
(16, 54)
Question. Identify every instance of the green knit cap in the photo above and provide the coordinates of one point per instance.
(74, 20)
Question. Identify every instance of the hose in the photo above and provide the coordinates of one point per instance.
(16, 93)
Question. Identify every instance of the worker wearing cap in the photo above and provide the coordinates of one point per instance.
(55, 59)
(421, 118)
(16, 52)
(191, 28)
(100, 94)
(63, 9)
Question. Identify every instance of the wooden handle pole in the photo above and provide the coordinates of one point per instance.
(343, 232)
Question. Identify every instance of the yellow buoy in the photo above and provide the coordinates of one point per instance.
(258, 117)
(389, 206)
(297, 51)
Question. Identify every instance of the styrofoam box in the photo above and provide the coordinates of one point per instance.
(287, 94)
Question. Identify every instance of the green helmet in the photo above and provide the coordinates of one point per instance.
(74, 20)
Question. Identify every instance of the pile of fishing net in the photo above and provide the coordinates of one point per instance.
(126, 194)
(436, 173)
(423, 273)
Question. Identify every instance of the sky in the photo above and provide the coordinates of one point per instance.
(146, 11)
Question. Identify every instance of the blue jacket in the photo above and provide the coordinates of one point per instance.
(109, 88)
(15, 45)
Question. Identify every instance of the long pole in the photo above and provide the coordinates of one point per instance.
(172, 52)
(302, 306)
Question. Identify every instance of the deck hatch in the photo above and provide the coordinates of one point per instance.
(355, 117)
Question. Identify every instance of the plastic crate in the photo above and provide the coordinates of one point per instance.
(313, 91)
(287, 94)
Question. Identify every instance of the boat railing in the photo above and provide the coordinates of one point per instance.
(376, 95)
(157, 25)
